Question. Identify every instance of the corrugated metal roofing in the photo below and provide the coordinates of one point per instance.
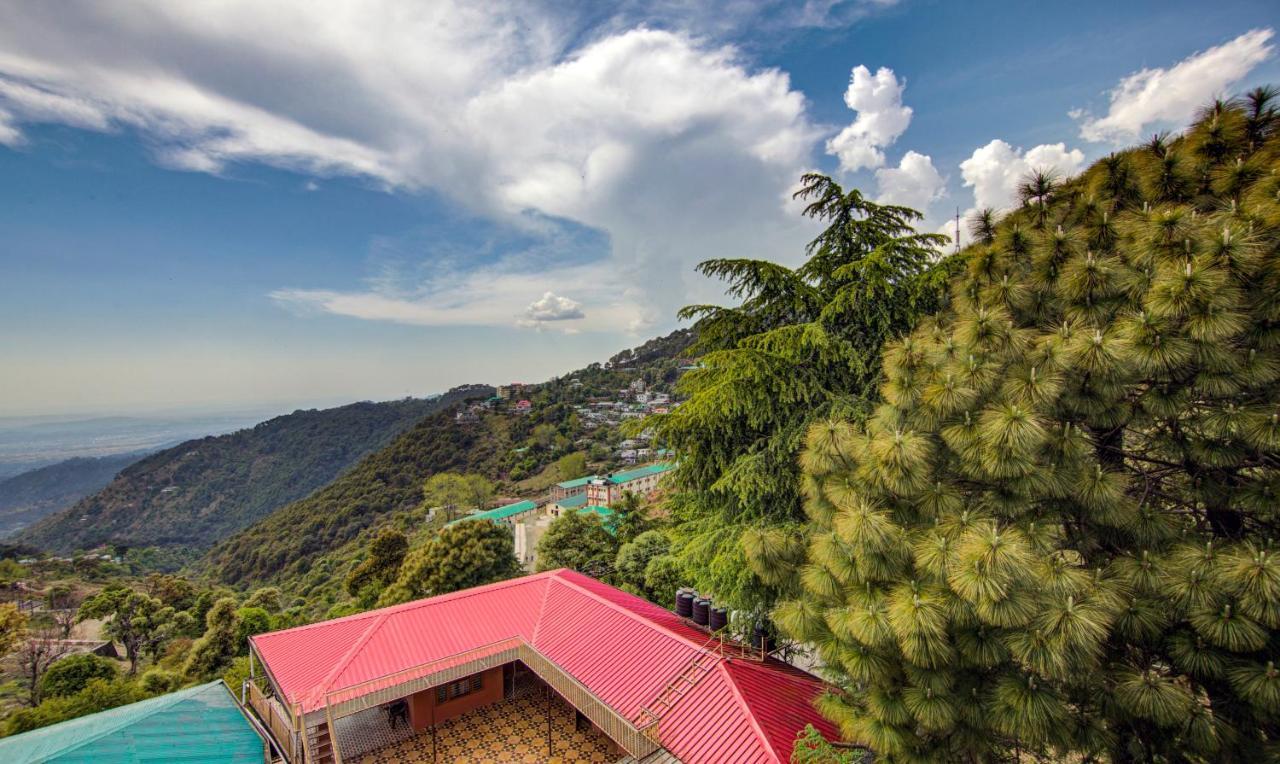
(573, 502)
(500, 513)
(623, 648)
(198, 725)
(639, 472)
(576, 482)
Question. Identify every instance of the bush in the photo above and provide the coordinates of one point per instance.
(97, 695)
(158, 681)
(70, 675)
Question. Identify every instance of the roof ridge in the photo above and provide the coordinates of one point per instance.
(745, 708)
(412, 604)
(160, 703)
(630, 613)
(542, 609)
(349, 655)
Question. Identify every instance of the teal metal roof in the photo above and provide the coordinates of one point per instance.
(501, 513)
(573, 502)
(196, 725)
(639, 472)
(576, 482)
(604, 512)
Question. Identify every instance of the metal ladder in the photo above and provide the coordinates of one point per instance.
(701, 664)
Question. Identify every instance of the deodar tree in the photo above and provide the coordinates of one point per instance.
(801, 345)
(1056, 536)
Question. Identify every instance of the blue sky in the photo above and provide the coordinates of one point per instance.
(308, 202)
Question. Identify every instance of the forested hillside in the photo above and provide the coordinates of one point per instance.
(30, 496)
(200, 491)
(307, 546)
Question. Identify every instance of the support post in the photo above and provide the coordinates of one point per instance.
(550, 749)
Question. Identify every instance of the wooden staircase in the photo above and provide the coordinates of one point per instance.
(649, 717)
(320, 745)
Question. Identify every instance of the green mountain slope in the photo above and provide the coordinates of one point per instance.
(308, 545)
(198, 492)
(30, 496)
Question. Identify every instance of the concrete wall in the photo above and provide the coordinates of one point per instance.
(421, 703)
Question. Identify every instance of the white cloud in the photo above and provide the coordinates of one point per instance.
(551, 307)
(915, 182)
(10, 135)
(877, 98)
(994, 170)
(670, 145)
(1169, 97)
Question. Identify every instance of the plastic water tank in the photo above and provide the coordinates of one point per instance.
(718, 618)
(684, 603)
(701, 611)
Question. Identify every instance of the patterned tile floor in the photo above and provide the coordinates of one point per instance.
(510, 732)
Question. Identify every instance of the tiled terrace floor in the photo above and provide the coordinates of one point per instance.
(510, 732)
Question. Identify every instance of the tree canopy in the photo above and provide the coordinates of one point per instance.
(577, 540)
(1056, 534)
(464, 554)
(802, 344)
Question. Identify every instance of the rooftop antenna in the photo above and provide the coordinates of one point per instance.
(957, 230)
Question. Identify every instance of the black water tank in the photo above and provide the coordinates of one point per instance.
(718, 619)
(684, 603)
(701, 611)
(760, 639)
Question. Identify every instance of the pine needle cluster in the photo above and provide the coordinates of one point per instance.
(1056, 536)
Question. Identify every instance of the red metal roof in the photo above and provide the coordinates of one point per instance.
(623, 648)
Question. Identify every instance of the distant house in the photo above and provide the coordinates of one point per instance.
(605, 490)
(523, 407)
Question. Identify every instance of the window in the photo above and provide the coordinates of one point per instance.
(447, 692)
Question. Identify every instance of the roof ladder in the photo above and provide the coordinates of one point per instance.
(701, 664)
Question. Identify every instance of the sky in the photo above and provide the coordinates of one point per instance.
(230, 203)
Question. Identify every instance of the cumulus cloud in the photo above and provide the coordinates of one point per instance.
(1169, 97)
(877, 98)
(994, 170)
(551, 307)
(915, 182)
(671, 145)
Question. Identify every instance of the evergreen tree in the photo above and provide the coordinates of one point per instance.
(464, 554)
(367, 580)
(801, 345)
(578, 541)
(212, 651)
(1056, 536)
(71, 674)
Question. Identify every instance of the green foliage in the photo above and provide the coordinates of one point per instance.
(662, 577)
(367, 580)
(138, 621)
(802, 344)
(267, 598)
(812, 748)
(571, 466)
(632, 564)
(158, 681)
(236, 674)
(210, 653)
(71, 674)
(577, 541)
(462, 555)
(242, 476)
(251, 621)
(631, 517)
(455, 494)
(1055, 536)
(98, 695)
(174, 591)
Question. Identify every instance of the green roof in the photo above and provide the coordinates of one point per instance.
(639, 472)
(501, 513)
(576, 482)
(196, 725)
(604, 512)
(576, 500)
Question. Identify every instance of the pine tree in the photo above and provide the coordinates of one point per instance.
(801, 345)
(1056, 535)
(464, 554)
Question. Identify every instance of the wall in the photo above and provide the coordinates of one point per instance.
(421, 703)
